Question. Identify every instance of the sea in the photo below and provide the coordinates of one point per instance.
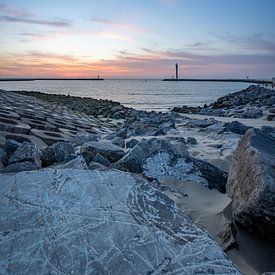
(140, 94)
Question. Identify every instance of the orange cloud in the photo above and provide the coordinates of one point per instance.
(145, 64)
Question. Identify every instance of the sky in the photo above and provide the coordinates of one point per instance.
(137, 38)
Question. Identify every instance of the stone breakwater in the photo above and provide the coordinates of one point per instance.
(253, 102)
(87, 194)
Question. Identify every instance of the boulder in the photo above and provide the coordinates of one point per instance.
(11, 146)
(122, 133)
(56, 153)
(98, 222)
(131, 143)
(134, 160)
(81, 138)
(110, 151)
(119, 141)
(19, 167)
(100, 159)
(27, 151)
(77, 163)
(251, 183)
(235, 127)
(215, 177)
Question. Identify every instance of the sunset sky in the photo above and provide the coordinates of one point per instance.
(137, 38)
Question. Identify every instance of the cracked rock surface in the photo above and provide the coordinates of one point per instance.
(98, 222)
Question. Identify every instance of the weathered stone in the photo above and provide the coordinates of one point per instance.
(26, 152)
(119, 141)
(133, 161)
(122, 133)
(11, 146)
(235, 127)
(251, 183)
(81, 138)
(100, 159)
(19, 167)
(215, 177)
(3, 156)
(77, 163)
(98, 222)
(163, 165)
(110, 151)
(131, 143)
(191, 140)
(56, 153)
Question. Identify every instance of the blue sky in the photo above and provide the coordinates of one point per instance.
(208, 38)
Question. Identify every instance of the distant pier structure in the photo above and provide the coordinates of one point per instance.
(177, 71)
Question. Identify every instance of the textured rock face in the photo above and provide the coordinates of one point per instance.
(235, 127)
(26, 152)
(95, 222)
(110, 151)
(56, 153)
(251, 183)
(146, 148)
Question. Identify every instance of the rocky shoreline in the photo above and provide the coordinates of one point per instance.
(133, 174)
(253, 102)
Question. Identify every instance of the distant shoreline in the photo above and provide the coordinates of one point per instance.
(220, 80)
(33, 79)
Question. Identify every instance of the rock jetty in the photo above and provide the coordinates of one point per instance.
(253, 102)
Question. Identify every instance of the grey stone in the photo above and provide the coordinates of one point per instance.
(215, 177)
(119, 141)
(162, 165)
(191, 140)
(133, 161)
(122, 133)
(100, 159)
(98, 222)
(81, 138)
(131, 143)
(251, 183)
(27, 151)
(3, 156)
(77, 163)
(235, 127)
(11, 146)
(19, 167)
(110, 151)
(56, 153)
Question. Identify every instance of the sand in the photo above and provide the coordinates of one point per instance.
(212, 211)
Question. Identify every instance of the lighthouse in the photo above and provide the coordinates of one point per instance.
(177, 71)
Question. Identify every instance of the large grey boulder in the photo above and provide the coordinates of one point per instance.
(11, 146)
(98, 222)
(108, 150)
(236, 127)
(251, 183)
(215, 177)
(77, 163)
(56, 153)
(27, 151)
(133, 161)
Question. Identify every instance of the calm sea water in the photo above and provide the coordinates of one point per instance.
(139, 94)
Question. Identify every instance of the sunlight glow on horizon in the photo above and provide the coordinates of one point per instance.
(137, 39)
